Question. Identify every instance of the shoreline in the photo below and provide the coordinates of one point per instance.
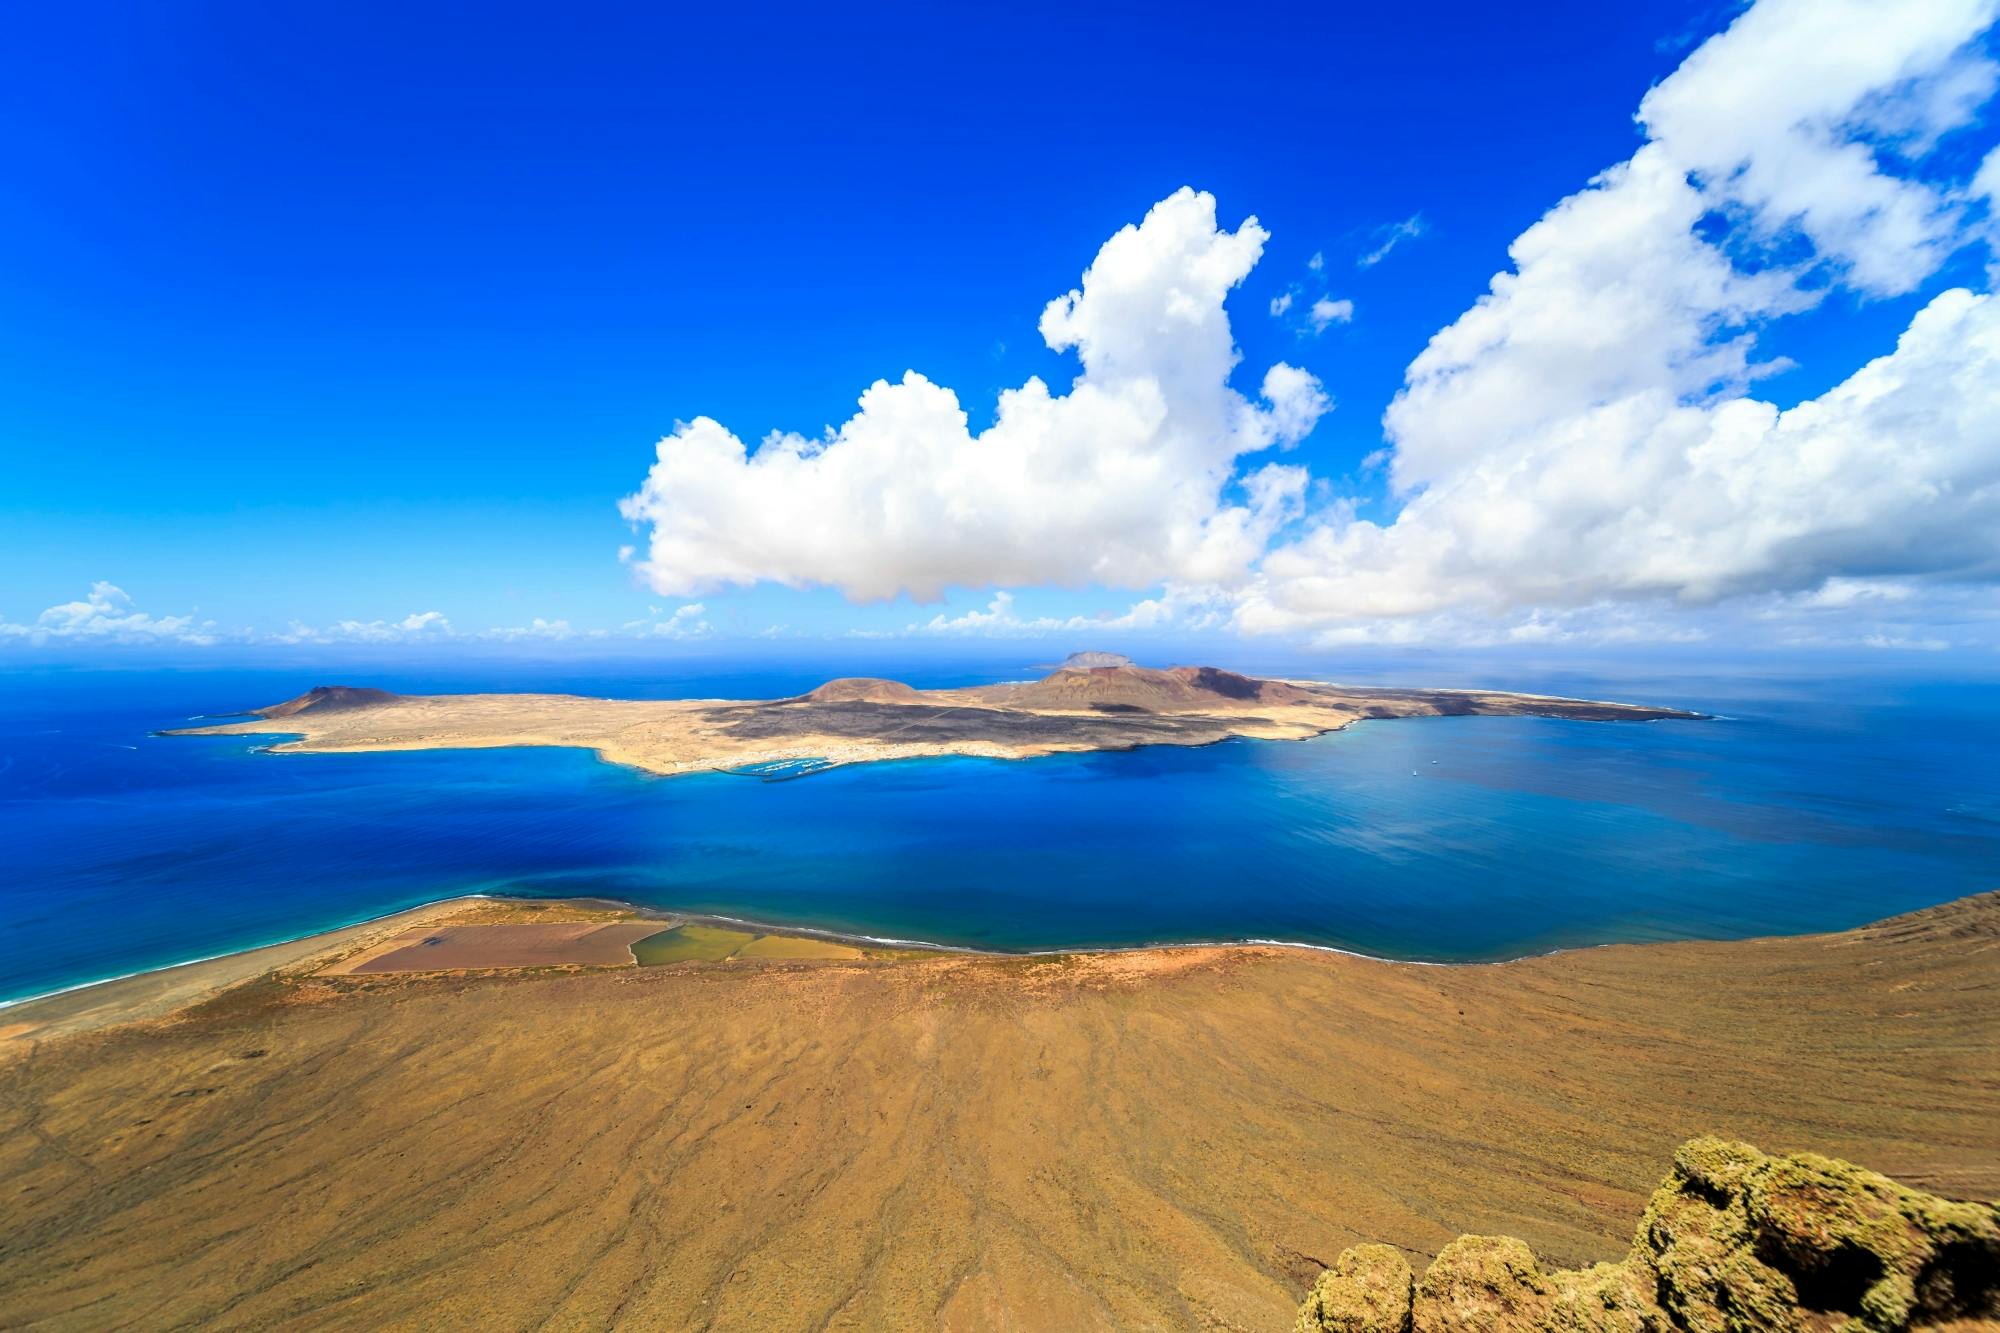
(227, 954)
(314, 941)
(159, 992)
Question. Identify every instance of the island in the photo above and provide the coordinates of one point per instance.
(1094, 701)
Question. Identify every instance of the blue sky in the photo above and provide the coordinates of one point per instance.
(359, 316)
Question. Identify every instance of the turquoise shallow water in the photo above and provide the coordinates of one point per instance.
(1809, 806)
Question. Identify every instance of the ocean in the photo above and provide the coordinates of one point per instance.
(1806, 805)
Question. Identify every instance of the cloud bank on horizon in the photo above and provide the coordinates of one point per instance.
(106, 615)
(1581, 453)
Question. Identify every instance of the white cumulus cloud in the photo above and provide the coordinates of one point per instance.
(1327, 311)
(1136, 475)
(106, 615)
(1787, 117)
(1587, 432)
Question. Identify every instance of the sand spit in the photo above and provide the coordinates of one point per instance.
(1175, 1138)
(861, 720)
(164, 990)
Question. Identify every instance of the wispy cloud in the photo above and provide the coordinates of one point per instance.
(1901, 643)
(683, 622)
(1386, 238)
(1176, 607)
(415, 627)
(1317, 313)
(540, 628)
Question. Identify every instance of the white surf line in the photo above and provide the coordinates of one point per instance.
(1458, 689)
(844, 937)
(848, 937)
(1253, 942)
(816, 932)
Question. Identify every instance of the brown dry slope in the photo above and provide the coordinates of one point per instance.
(1176, 1138)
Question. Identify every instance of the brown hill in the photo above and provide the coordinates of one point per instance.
(1119, 688)
(863, 689)
(328, 699)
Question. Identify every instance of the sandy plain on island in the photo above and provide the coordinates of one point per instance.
(1172, 1138)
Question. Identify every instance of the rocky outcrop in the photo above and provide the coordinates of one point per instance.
(1733, 1241)
(1367, 1290)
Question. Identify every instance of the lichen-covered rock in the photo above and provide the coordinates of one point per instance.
(1366, 1291)
(1745, 1241)
(1696, 1236)
(1483, 1282)
(1732, 1242)
(1606, 1298)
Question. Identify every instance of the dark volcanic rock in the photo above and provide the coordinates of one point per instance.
(1225, 683)
(1732, 1241)
(926, 723)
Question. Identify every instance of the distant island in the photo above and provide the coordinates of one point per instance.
(1093, 701)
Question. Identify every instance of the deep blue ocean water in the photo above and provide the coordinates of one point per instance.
(1810, 805)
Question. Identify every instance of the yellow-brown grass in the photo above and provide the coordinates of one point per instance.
(1173, 1138)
